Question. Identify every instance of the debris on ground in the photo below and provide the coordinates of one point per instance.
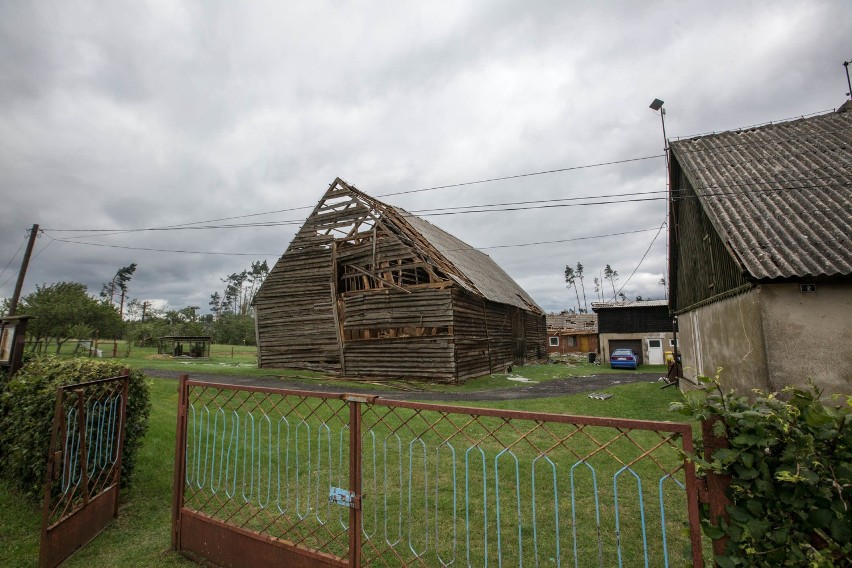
(520, 379)
(601, 395)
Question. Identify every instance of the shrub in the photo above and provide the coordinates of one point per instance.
(790, 462)
(27, 404)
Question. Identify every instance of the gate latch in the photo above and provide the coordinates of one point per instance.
(343, 497)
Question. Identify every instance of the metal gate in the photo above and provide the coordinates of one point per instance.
(83, 466)
(291, 478)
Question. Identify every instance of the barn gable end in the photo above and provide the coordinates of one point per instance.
(365, 289)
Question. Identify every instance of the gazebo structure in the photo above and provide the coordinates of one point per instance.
(185, 345)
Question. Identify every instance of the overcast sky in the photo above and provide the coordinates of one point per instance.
(144, 115)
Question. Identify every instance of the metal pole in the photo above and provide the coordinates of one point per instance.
(355, 483)
(848, 82)
(13, 304)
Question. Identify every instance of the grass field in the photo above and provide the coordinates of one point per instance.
(242, 361)
(141, 535)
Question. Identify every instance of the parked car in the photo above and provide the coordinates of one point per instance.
(623, 359)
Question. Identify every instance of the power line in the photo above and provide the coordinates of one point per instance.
(489, 180)
(514, 206)
(522, 175)
(489, 207)
(161, 250)
(14, 256)
(775, 122)
(692, 150)
(640, 261)
(278, 254)
(565, 240)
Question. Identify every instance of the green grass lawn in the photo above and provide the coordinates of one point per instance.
(141, 534)
(242, 361)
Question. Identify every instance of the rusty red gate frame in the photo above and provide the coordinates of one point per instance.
(81, 487)
(245, 530)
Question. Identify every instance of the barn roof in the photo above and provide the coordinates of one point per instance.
(780, 195)
(471, 269)
(487, 277)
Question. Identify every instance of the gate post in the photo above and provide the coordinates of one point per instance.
(180, 461)
(355, 482)
(717, 484)
(125, 392)
(58, 422)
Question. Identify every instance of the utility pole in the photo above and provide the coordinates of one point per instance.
(13, 305)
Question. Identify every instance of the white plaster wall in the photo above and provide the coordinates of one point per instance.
(809, 335)
(726, 334)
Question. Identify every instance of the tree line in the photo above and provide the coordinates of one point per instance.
(575, 275)
(66, 311)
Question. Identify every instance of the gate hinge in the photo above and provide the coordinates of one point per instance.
(345, 498)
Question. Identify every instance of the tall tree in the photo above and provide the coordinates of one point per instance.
(215, 305)
(579, 273)
(570, 280)
(612, 276)
(118, 282)
(240, 288)
(662, 283)
(598, 289)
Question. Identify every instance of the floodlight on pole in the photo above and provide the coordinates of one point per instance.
(657, 105)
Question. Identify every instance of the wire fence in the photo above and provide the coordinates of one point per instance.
(439, 485)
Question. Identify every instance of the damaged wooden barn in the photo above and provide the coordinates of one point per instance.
(366, 289)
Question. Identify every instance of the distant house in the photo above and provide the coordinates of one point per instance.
(369, 290)
(760, 257)
(572, 333)
(643, 326)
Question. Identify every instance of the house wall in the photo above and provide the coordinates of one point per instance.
(535, 333)
(470, 327)
(572, 343)
(771, 337)
(808, 335)
(389, 333)
(606, 337)
(726, 334)
(700, 264)
(295, 322)
(641, 319)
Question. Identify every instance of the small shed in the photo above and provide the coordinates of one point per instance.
(366, 289)
(643, 326)
(185, 345)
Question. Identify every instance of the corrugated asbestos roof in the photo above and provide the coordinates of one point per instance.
(779, 195)
(490, 280)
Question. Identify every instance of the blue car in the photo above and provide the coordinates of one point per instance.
(623, 359)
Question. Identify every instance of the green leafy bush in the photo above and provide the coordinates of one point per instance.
(27, 404)
(790, 462)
